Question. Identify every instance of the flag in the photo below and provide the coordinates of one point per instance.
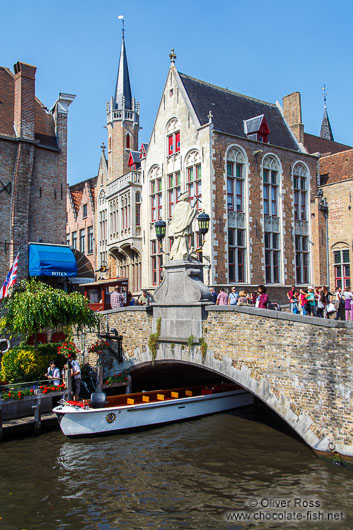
(10, 279)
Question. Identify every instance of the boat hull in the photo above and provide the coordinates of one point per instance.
(77, 422)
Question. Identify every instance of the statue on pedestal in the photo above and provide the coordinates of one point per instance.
(181, 227)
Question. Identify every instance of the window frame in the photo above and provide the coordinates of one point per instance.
(343, 265)
(236, 249)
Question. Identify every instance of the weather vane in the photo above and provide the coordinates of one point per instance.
(122, 18)
(172, 56)
(324, 93)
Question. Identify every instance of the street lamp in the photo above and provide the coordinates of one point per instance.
(204, 223)
(160, 227)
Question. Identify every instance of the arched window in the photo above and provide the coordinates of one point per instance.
(173, 136)
(300, 210)
(270, 175)
(300, 183)
(270, 184)
(235, 180)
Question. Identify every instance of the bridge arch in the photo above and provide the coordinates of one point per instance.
(300, 367)
(261, 389)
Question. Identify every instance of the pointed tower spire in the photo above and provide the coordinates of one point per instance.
(326, 131)
(122, 95)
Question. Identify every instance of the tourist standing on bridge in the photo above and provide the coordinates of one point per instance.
(222, 298)
(290, 296)
(340, 305)
(233, 297)
(303, 302)
(214, 295)
(262, 297)
(348, 303)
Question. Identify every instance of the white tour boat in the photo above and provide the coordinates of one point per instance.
(113, 414)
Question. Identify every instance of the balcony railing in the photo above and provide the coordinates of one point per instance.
(133, 177)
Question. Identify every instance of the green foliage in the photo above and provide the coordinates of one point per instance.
(203, 347)
(36, 306)
(26, 363)
(153, 340)
(190, 341)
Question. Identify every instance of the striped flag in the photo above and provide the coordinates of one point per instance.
(10, 279)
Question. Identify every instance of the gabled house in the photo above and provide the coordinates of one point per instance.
(80, 225)
(241, 163)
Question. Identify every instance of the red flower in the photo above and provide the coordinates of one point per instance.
(9, 394)
(31, 390)
(41, 387)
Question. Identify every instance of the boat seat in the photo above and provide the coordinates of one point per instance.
(98, 400)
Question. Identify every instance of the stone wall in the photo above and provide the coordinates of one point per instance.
(299, 366)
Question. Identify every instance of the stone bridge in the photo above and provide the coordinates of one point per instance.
(301, 367)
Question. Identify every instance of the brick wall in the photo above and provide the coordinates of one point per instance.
(255, 201)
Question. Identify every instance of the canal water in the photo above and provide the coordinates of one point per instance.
(191, 475)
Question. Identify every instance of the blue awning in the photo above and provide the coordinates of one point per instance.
(51, 260)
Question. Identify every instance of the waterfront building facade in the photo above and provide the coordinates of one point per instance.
(331, 212)
(247, 163)
(33, 167)
(80, 225)
(240, 162)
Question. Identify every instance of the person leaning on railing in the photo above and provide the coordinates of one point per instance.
(53, 373)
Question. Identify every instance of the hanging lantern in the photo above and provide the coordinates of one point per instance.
(204, 222)
(160, 227)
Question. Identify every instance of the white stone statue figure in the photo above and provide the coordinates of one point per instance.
(181, 228)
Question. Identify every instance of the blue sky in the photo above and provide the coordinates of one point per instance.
(261, 49)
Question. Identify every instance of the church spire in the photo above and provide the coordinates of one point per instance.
(326, 131)
(122, 96)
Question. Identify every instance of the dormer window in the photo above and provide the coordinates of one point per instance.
(257, 129)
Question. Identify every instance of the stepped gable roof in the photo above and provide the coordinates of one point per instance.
(316, 144)
(337, 167)
(230, 109)
(76, 192)
(44, 125)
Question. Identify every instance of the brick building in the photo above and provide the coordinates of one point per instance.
(33, 167)
(331, 211)
(80, 225)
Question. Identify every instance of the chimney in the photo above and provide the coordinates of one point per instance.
(25, 76)
(292, 111)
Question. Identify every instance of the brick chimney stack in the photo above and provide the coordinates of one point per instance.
(25, 76)
(292, 110)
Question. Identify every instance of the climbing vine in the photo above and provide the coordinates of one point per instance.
(153, 340)
(203, 347)
(190, 342)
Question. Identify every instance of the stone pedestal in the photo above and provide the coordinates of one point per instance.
(180, 301)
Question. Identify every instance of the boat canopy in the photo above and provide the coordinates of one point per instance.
(51, 260)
